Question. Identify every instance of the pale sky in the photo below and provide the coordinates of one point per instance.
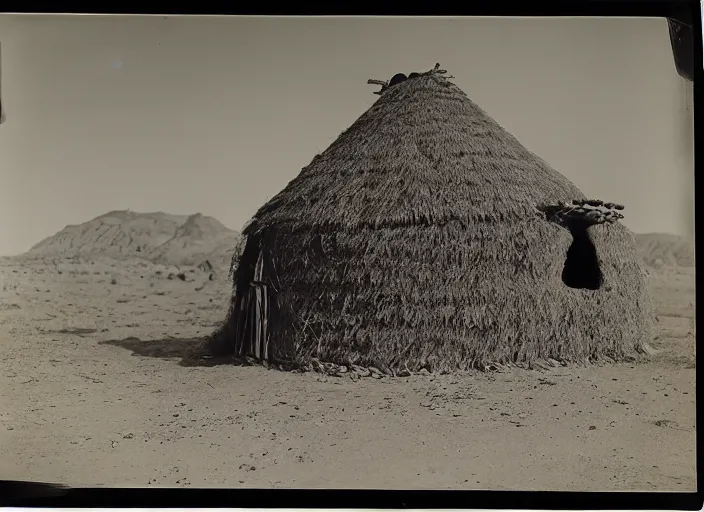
(216, 115)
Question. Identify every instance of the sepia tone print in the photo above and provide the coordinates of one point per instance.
(347, 253)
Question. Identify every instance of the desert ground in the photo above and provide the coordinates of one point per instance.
(100, 388)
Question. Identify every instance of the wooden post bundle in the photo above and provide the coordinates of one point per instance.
(385, 84)
(590, 211)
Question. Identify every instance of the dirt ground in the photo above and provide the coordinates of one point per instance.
(98, 390)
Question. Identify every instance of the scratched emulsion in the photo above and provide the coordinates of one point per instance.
(2, 109)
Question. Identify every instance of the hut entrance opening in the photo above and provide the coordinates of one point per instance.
(253, 336)
(581, 265)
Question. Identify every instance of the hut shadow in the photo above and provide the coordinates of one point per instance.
(189, 351)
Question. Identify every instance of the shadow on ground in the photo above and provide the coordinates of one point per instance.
(190, 351)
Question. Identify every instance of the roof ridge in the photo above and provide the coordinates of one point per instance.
(400, 77)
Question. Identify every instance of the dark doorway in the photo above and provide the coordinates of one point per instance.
(581, 266)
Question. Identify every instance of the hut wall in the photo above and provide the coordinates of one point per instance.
(445, 296)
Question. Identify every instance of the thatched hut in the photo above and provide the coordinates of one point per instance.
(426, 236)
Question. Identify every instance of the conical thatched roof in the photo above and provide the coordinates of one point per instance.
(424, 152)
(428, 236)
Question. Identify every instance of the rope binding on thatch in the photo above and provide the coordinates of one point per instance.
(400, 77)
(589, 211)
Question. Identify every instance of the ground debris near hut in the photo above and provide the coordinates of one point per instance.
(352, 371)
(355, 372)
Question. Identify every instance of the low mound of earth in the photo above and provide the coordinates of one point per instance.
(158, 237)
(662, 249)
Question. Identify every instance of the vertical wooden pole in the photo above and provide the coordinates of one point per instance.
(258, 321)
(265, 322)
(258, 307)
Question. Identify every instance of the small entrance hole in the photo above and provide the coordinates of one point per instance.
(581, 266)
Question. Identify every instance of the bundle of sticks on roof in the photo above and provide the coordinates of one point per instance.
(400, 77)
(591, 211)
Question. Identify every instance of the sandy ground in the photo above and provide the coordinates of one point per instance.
(98, 389)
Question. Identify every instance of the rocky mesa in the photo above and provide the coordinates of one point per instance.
(663, 249)
(158, 237)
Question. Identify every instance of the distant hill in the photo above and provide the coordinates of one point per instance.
(658, 249)
(199, 238)
(158, 237)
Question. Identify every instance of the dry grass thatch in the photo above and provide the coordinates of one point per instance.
(417, 238)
